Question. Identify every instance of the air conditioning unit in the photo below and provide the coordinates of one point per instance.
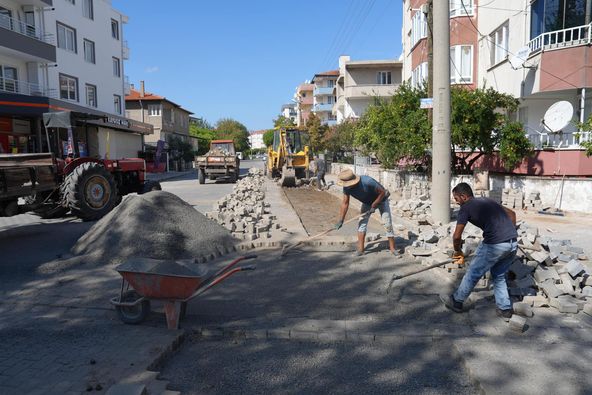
(424, 9)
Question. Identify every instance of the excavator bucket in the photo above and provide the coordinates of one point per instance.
(288, 177)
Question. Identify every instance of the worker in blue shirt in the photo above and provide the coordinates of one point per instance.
(373, 196)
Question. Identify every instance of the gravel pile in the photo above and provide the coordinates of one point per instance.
(155, 225)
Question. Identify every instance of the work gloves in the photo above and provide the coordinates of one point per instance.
(338, 225)
(371, 210)
(458, 257)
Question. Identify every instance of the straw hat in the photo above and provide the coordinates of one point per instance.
(347, 178)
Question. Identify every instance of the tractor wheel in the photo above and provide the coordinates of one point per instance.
(90, 191)
(150, 186)
(201, 176)
(235, 177)
(133, 314)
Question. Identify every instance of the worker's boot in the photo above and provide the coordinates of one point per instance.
(451, 303)
(505, 314)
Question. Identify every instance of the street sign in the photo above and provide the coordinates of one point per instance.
(426, 103)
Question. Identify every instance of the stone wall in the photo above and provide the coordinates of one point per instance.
(577, 192)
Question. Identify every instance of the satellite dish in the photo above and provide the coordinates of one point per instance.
(558, 116)
(517, 60)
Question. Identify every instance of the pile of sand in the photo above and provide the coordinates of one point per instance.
(155, 225)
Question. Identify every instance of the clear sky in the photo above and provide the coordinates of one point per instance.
(243, 59)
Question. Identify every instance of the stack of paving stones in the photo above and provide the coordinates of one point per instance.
(546, 273)
(244, 212)
(416, 189)
(513, 198)
(533, 201)
(494, 195)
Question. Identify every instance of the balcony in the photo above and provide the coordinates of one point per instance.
(125, 50)
(558, 39)
(324, 91)
(331, 122)
(369, 90)
(126, 85)
(8, 85)
(322, 108)
(27, 40)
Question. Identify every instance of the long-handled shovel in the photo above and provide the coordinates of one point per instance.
(287, 248)
(398, 277)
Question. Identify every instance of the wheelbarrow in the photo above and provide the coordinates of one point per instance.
(169, 281)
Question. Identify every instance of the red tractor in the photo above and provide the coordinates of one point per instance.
(89, 187)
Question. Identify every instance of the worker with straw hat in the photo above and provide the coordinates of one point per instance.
(373, 196)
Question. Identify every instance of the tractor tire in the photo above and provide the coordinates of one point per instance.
(133, 315)
(90, 191)
(150, 186)
(201, 176)
(235, 177)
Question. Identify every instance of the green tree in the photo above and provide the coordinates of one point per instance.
(228, 128)
(268, 137)
(340, 138)
(204, 136)
(586, 126)
(317, 132)
(181, 149)
(283, 122)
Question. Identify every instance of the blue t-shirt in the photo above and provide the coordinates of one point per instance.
(490, 217)
(365, 190)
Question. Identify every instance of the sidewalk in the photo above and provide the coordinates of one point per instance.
(168, 175)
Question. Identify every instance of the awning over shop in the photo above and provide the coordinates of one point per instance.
(68, 119)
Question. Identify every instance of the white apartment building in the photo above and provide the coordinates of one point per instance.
(324, 96)
(554, 40)
(58, 55)
(256, 139)
(361, 82)
(289, 111)
(303, 97)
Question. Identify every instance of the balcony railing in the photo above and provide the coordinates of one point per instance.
(572, 37)
(323, 91)
(20, 27)
(126, 85)
(8, 85)
(125, 50)
(322, 107)
(542, 140)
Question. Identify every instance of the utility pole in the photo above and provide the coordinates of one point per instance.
(430, 42)
(441, 120)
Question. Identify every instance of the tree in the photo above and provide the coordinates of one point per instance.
(586, 127)
(181, 149)
(227, 128)
(316, 131)
(480, 125)
(340, 138)
(283, 122)
(204, 136)
(268, 137)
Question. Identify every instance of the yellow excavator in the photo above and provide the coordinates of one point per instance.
(289, 156)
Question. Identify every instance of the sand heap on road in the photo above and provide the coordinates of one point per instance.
(155, 225)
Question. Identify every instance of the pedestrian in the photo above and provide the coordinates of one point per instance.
(495, 254)
(320, 169)
(373, 196)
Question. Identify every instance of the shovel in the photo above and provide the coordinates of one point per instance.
(398, 277)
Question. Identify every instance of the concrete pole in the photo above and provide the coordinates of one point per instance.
(441, 122)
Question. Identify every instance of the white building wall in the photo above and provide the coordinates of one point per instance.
(256, 140)
(117, 145)
(97, 30)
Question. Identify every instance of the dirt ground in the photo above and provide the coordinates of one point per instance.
(318, 210)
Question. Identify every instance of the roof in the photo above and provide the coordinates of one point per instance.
(134, 95)
(331, 73)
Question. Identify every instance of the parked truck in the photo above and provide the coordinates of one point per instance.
(221, 161)
(51, 186)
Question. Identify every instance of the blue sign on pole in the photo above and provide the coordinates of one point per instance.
(426, 103)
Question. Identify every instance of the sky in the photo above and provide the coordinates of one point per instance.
(243, 59)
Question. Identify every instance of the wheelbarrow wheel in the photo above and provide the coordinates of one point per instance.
(183, 310)
(133, 314)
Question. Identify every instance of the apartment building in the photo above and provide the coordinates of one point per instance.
(289, 111)
(324, 96)
(63, 55)
(167, 118)
(304, 102)
(360, 82)
(256, 139)
(536, 50)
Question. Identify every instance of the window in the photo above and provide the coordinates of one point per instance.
(383, 78)
(71, 2)
(114, 29)
(68, 87)
(461, 7)
(330, 83)
(499, 44)
(419, 27)
(91, 95)
(8, 79)
(116, 67)
(89, 51)
(419, 75)
(154, 110)
(329, 99)
(551, 15)
(172, 115)
(117, 104)
(87, 9)
(461, 64)
(66, 38)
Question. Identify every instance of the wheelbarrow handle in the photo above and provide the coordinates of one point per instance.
(250, 267)
(219, 279)
(250, 256)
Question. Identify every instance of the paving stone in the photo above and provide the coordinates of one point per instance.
(564, 306)
(550, 288)
(517, 323)
(542, 274)
(523, 309)
(574, 268)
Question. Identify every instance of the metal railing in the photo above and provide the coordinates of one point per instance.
(9, 85)
(125, 50)
(565, 38)
(542, 140)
